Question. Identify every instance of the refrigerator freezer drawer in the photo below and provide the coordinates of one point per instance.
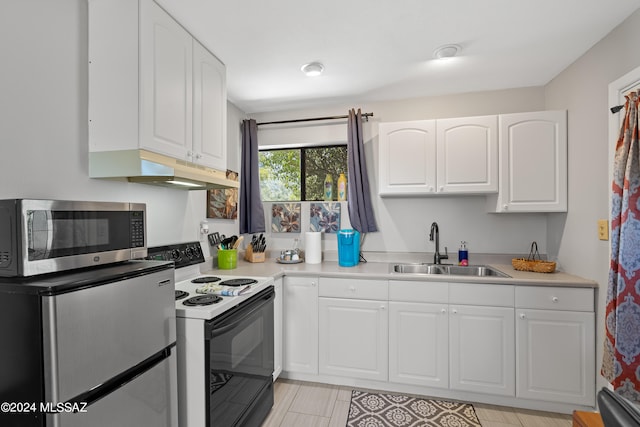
(94, 334)
(149, 400)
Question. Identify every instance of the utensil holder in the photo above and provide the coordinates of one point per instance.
(251, 256)
(227, 259)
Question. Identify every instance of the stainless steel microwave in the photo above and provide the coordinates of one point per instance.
(47, 236)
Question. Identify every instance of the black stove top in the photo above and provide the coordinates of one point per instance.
(205, 279)
(181, 294)
(238, 282)
(206, 299)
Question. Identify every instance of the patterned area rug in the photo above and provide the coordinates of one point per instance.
(394, 410)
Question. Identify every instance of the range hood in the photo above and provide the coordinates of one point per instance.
(152, 168)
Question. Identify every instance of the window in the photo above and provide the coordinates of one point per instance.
(292, 174)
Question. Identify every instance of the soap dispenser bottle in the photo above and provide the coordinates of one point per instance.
(463, 254)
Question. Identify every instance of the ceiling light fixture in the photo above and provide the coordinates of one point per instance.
(446, 51)
(312, 69)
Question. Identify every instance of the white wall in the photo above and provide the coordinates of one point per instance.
(404, 223)
(43, 122)
(583, 89)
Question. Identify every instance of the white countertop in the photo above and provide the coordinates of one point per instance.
(381, 270)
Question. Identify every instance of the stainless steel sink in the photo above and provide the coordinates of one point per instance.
(450, 270)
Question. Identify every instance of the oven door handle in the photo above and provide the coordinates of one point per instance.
(246, 313)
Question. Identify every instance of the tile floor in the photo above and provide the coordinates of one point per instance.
(303, 404)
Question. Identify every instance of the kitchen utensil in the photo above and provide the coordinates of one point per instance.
(237, 243)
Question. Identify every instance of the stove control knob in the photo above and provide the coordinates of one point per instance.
(197, 251)
(175, 254)
(189, 252)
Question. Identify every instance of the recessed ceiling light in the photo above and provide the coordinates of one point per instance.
(312, 69)
(446, 51)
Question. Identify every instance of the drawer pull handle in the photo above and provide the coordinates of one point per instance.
(555, 299)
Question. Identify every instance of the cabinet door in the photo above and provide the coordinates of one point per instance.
(419, 344)
(354, 338)
(533, 155)
(209, 109)
(166, 64)
(555, 356)
(277, 329)
(482, 349)
(300, 328)
(467, 150)
(407, 157)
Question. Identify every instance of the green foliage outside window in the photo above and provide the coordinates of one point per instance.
(282, 172)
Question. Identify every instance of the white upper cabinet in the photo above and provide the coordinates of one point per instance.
(152, 86)
(441, 156)
(209, 114)
(407, 157)
(533, 156)
(166, 80)
(467, 152)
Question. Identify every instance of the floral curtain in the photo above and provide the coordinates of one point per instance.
(621, 359)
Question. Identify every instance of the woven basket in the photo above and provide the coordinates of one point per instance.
(533, 264)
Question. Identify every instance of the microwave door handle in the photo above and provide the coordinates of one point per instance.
(257, 306)
(49, 247)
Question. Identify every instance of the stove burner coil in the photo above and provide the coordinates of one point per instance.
(238, 282)
(206, 299)
(205, 279)
(181, 294)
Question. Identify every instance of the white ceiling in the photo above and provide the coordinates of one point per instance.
(377, 50)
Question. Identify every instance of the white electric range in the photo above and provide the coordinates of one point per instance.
(224, 343)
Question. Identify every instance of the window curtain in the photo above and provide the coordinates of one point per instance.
(358, 194)
(251, 210)
(621, 359)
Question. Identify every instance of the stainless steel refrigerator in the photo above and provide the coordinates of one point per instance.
(92, 348)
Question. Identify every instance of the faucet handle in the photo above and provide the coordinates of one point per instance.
(446, 254)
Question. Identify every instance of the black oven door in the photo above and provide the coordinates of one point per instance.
(239, 362)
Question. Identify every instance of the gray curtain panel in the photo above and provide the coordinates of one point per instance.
(358, 194)
(251, 210)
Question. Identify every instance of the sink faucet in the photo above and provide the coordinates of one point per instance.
(435, 233)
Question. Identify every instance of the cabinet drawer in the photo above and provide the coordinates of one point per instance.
(552, 298)
(400, 290)
(354, 288)
(481, 294)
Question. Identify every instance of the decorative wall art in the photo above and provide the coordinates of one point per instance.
(325, 217)
(285, 217)
(223, 203)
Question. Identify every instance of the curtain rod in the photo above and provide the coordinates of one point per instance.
(365, 116)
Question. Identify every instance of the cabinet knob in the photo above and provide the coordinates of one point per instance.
(352, 288)
(441, 188)
(313, 283)
(382, 307)
(444, 310)
(454, 311)
(198, 156)
(505, 207)
(431, 189)
(522, 316)
(555, 299)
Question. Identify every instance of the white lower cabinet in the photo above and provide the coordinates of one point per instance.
(419, 343)
(534, 343)
(300, 326)
(354, 338)
(277, 329)
(555, 348)
(354, 328)
(482, 349)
